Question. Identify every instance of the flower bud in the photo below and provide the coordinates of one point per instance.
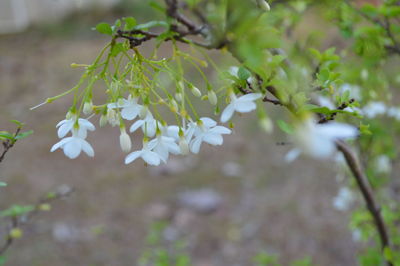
(103, 120)
(179, 97)
(266, 124)
(212, 97)
(125, 141)
(196, 92)
(88, 108)
(112, 117)
(183, 145)
(263, 5)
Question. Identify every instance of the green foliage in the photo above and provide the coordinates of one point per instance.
(17, 210)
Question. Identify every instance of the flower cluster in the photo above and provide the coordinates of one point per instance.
(160, 140)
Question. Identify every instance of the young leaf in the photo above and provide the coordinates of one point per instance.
(243, 73)
(285, 127)
(24, 134)
(104, 28)
(130, 23)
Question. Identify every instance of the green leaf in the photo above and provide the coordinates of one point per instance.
(157, 6)
(285, 127)
(130, 23)
(116, 49)
(24, 134)
(17, 210)
(18, 123)
(2, 184)
(6, 135)
(243, 73)
(104, 28)
(151, 24)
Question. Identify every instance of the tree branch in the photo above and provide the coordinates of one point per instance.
(366, 192)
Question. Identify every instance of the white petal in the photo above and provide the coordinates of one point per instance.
(245, 106)
(62, 122)
(173, 132)
(131, 112)
(213, 139)
(336, 130)
(85, 123)
(132, 156)
(250, 97)
(195, 145)
(64, 129)
(73, 148)
(87, 148)
(60, 144)
(227, 113)
(208, 122)
(162, 152)
(292, 155)
(173, 148)
(220, 130)
(136, 125)
(151, 158)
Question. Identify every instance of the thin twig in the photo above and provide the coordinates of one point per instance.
(8, 144)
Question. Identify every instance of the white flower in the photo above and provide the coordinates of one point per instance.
(73, 146)
(325, 102)
(164, 145)
(243, 104)
(150, 157)
(67, 125)
(130, 107)
(374, 109)
(383, 164)
(394, 112)
(125, 141)
(112, 117)
(318, 140)
(148, 124)
(343, 199)
(206, 130)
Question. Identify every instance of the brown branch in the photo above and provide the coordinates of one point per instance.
(331, 117)
(366, 192)
(8, 144)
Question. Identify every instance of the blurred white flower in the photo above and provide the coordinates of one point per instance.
(88, 108)
(394, 112)
(343, 199)
(354, 90)
(373, 109)
(146, 153)
(67, 125)
(318, 140)
(73, 146)
(130, 107)
(233, 70)
(383, 164)
(325, 102)
(243, 104)
(206, 130)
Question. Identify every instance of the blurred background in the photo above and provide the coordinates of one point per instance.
(223, 206)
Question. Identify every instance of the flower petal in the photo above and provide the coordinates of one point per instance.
(227, 113)
(87, 148)
(60, 144)
(208, 122)
(196, 144)
(250, 97)
(64, 129)
(86, 123)
(245, 106)
(73, 148)
(220, 130)
(213, 139)
(292, 155)
(133, 156)
(151, 158)
(336, 130)
(131, 112)
(136, 125)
